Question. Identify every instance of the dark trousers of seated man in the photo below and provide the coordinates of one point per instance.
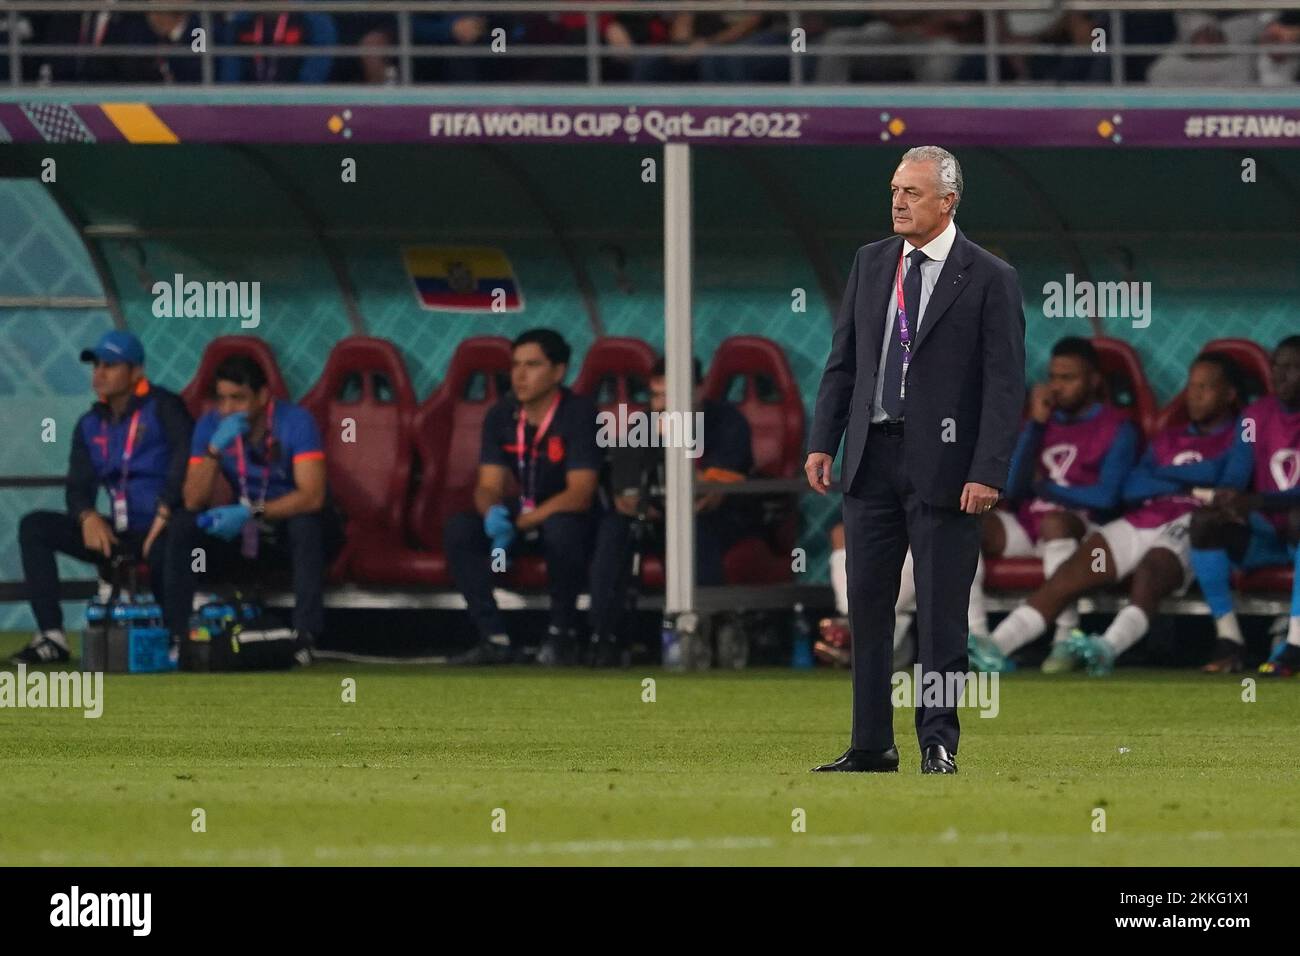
(611, 564)
(303, 542)
(564, 540)
(43, 534)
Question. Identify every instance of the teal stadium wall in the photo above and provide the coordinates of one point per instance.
(1221, 261)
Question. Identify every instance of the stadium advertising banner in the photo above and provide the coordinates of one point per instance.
(51, 121)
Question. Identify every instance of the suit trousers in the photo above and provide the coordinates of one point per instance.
(882, 515)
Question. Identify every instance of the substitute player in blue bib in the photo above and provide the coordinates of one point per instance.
(1254, 520)
(270, 452)
(132, 444)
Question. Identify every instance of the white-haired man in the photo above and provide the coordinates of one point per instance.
(931, 333)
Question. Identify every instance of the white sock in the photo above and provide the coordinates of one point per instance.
(901, 624)
(1127, 629)
(840, 580)
(1228, 628)
(1055, 553)
(907, 585)
(1293, 632)
(56, 635)
(977, 617)
(1018, 628)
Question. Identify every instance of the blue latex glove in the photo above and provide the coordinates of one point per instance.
(498, 526)
(225, 522)
(228, 429)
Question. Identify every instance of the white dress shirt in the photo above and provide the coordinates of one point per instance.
(937, 249)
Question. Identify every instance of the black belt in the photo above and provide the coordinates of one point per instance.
(890, 426)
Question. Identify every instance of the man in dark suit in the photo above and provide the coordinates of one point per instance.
(928, 402)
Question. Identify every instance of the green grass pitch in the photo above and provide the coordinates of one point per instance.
(588, 773)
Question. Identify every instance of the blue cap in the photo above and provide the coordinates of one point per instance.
(116, 345)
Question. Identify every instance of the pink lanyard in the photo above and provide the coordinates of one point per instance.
(241, 465)
(531, 487)
(904, 333)
(126, 450)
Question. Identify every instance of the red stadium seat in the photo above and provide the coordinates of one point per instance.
(752, 372)
(1256, 371)
(1275, 579)
(1126, 383)
(197, 395)
(446, 432)
(616, 371)
(1012, 574)
(365, 380)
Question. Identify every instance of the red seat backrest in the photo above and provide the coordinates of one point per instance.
(1126, 383)
(197, 395)
(369, 464)
(448, 431)
(768, 398)
(617, 371)
(1255, 369)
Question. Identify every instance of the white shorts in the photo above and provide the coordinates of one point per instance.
(1128, 545)
(1018, 544)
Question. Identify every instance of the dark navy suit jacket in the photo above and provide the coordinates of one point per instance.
(966, 378)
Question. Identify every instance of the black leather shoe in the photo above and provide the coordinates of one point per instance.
(862, 761)
(936, 759)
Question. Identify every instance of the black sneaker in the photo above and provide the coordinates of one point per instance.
(558, 648)
(493, 650)
(1226, 658)
(605, 652)
(303, 644)
(42, 650)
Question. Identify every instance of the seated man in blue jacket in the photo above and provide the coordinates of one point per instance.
(1149, 545)
(133, 443)
(1254, 519)
(1067, 473)
(270, 452)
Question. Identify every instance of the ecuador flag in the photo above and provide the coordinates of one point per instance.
(463, 278)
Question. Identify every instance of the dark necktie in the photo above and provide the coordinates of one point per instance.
(889, 398)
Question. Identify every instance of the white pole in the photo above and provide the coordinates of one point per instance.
(679, 550)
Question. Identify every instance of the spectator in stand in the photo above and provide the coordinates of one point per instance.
(1208, 66)
(465, 29)
(1058, 27)
(946, 32)
(280, 29)
(163, 28)
(700, 31)
(1279, 69)
(96, 29)
(629, 32)
(366, 30)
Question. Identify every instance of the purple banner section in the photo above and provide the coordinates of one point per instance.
(650, 125)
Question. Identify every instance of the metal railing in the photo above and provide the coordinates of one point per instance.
(403, 51)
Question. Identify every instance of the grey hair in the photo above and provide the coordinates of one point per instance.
(950, 180)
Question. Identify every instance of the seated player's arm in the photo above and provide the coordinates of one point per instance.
(1144, 482)
(711, 501)
(308, 494)
(578, 494)
(1239, 463)
(1205, 473)
(491, 487)
(1020, 476)
(1105, 493)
